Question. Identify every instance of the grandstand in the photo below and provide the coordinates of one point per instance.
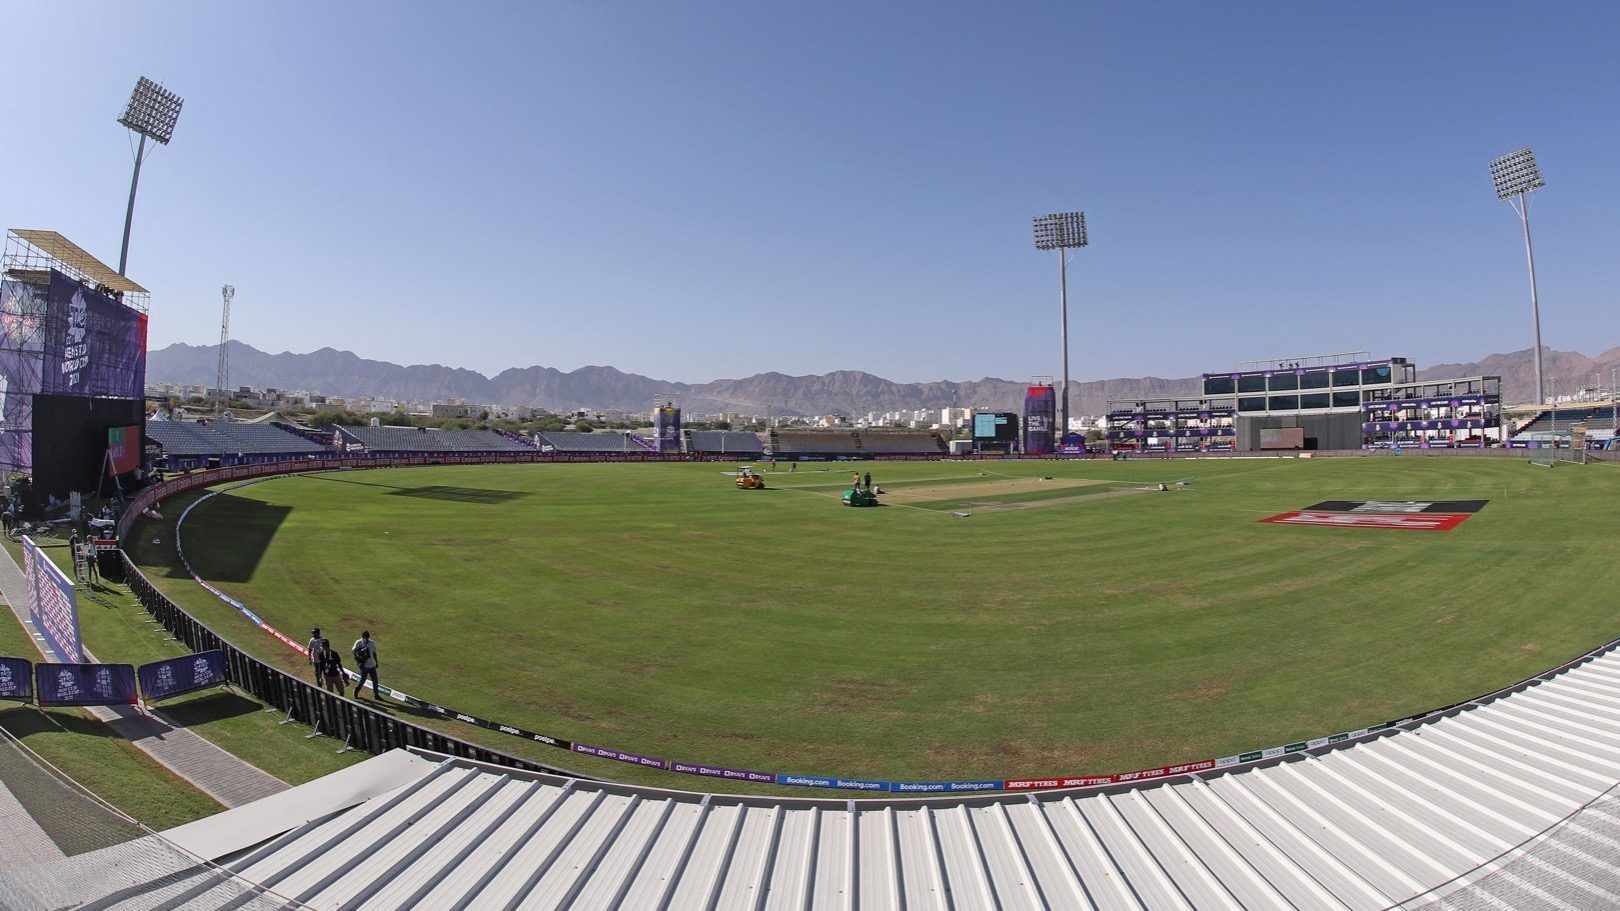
(423, 439)
(1544, 424)
(184, 441)
(902, 442)
(723, 442)
(874, 442)
(567, 441)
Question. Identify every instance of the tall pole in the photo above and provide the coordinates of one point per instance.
(1535, 304)
(1063, 303)
(129, 211)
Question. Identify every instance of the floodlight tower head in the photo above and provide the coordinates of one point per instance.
(1060, 230)
(1516, 173)
(152, 111)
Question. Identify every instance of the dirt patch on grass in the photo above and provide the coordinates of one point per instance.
(988, 489)
(1056, 500)
(1210, 690)
(849, 695)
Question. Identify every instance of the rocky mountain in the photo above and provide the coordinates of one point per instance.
(343, 373)
(1565, 371)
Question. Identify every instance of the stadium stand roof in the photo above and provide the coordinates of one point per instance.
(1502, 803)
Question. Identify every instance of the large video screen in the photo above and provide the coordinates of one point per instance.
(995, 425)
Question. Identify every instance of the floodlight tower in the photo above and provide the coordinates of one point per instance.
(1062, 231)
(228, 293)
(151, 112)
(1516, 176)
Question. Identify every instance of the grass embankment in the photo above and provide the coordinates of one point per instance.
(116, 629)
(659, 610)
(92, 755)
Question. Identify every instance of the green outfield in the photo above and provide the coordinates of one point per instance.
(1074, 620)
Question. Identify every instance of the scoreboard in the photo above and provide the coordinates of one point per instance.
(995, 426)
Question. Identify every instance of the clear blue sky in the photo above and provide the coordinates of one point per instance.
(704, 190)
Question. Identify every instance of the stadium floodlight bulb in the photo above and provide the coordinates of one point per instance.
(152, 111)
(1516, 173)
(1060, 230)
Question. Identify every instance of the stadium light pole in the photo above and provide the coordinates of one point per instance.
(1062, 231)
(1516, 175)
(151, 113)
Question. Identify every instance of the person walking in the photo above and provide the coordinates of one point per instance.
(331, 670)
(868, 480)
(318, 645)
(365, 660)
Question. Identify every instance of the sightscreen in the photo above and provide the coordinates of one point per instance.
(1282, 438)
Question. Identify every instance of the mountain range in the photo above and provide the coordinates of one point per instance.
(329, 371)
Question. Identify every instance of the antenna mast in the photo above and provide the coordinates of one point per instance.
(223, 380)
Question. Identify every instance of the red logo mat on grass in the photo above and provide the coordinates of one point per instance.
(1413, 515)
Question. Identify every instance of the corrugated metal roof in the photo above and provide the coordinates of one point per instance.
(1364, 826)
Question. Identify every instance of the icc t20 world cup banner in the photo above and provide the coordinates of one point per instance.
(16, 679)
(62, 337)
(173, 676)
(52, 603)
(93, 344)
(85, 684)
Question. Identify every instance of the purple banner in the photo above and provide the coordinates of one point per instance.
(94, 345)
(85, 684)
(173, 676)
(667, 428)
(1040, 420)
(16, 679)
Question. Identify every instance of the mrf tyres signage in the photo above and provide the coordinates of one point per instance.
(1404, 515)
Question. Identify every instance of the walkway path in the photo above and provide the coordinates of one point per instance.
(26, 843)
(209, 768)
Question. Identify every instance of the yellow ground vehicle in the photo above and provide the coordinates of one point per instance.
(749, 480)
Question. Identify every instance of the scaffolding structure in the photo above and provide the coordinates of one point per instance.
(30, 255)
